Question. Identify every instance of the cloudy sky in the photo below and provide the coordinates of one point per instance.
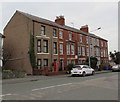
(77, 14)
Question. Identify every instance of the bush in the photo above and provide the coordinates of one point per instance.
(69, 68)
(14, 73)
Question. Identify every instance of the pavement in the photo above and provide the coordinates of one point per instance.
(31, 78)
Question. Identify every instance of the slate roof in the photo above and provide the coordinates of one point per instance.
(45, 21)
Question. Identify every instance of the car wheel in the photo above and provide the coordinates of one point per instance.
(93, 73)
(112, 70)
(72, 75)
(84, 74)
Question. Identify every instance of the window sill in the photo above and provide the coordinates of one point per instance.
(55, 37)
(55, 54)
(43, 36)
(43, 53)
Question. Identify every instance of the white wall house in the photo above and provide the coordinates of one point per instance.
(1, 50)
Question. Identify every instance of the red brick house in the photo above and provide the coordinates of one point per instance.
(54, 44)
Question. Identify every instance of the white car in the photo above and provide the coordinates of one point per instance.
(82, 70)
(116, 68)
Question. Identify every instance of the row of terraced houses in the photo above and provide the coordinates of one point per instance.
(55, 45)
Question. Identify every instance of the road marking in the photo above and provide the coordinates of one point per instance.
(5, 95)
(51, 87)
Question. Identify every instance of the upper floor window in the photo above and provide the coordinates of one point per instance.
(79, 51)
(68, 49)
(42, 30)
(87, 40)
(45, 46)
(72, 50)
(83, 51)
(101, 43)
(61, 49)
(97, 42)
(54, 32)
(39, 46)
(81, 39)
(102, 53)
(87, 51)
(55, 47)
(70, 36)
(60, 34)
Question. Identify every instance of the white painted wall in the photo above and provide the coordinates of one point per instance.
(0, 51)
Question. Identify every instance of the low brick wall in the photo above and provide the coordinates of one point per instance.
(55, 73)
(42, 72)
(37, 72)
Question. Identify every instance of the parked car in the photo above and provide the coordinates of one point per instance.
(82, 70)
(116, 68)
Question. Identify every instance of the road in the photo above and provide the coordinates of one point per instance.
(102, 86)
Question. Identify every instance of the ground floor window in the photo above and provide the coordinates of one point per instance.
(39, 63)
(73, 62)
(45, 62)
(61, 65)
(68, 62)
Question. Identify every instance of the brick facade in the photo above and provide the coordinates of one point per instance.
(55, 44)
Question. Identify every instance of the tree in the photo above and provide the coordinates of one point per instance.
(115, 57)
(93, 61)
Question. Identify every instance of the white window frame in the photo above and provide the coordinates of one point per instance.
(70, 36)
(42, 30)
(72, 50)
(55, 47)
(45, 63)
(39, 63)
(54, 32)
(79, 50)
(81, 39)
(87, 40)
(87, 51)
(60, 34)
(68, 62)
(68, 49)
(61, 49)
(83, 50)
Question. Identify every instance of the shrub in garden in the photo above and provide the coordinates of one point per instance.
(14, 73)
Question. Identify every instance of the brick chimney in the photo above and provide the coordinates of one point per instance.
(60, 20)
(85, 28)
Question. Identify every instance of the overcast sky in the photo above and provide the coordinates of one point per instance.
(94, 14)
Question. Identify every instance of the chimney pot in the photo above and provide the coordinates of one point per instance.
(85, 28)
(60, 20)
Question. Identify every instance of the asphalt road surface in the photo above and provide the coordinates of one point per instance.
(102, 86)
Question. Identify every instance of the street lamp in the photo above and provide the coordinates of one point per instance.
(89, 44)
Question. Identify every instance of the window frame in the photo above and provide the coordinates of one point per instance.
(61, 49)
(39, 46)
(42, 30)
(54, 32)
(68, 49)
(70, 36)
(45, 46)
(60, 34)
(72, 49)
(55, 47)
(40, 64)
(81, 39)
(44, 62)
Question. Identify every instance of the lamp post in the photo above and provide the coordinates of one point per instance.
(89, 43)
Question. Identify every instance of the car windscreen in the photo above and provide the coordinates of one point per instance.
(76, 67)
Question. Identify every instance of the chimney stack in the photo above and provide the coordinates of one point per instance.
(85, 28)
(60, 20)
